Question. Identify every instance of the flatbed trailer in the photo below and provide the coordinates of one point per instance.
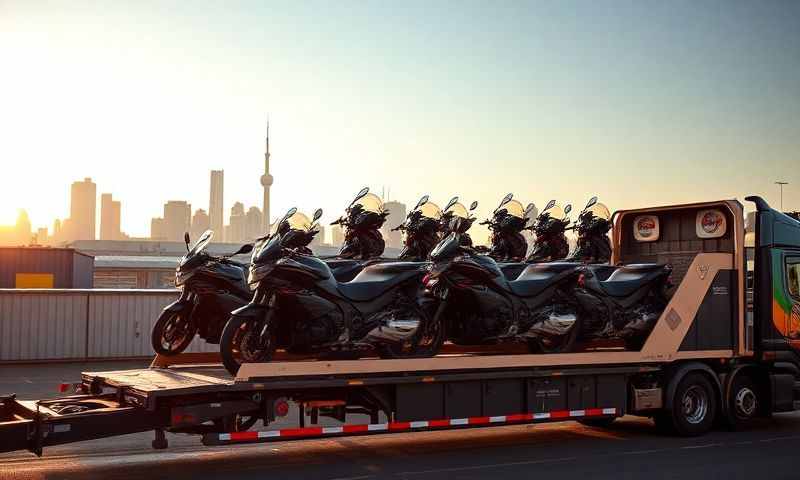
(724, 348)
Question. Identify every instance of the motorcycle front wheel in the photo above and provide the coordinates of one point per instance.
(242, 342)
(172, 333)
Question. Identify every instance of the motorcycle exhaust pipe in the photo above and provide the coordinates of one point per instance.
(555, 325)
(394, 331)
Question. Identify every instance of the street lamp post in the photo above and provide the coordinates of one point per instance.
(781, 184)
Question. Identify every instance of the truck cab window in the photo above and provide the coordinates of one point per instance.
(793, 277)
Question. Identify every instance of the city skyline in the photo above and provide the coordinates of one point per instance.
(643, 103)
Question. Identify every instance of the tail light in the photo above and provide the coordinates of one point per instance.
(281, 407)
(426, 278)
(581, 280)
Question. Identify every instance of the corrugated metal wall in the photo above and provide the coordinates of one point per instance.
(81, 324)
(70, 269)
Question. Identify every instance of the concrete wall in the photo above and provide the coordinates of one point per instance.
(41, 325)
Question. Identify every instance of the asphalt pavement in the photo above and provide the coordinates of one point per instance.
(629, 449)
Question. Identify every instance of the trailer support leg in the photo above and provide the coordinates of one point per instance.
(160, 442)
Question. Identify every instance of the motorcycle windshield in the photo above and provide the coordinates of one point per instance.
(446, 248)
(555, 212)
(457, 210)
(598, 210)
(299, 221)
(370, 203)
(515, 209)
(201, 243)
(270, 250)
(430, 210)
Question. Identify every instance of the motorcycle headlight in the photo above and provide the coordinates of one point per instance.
(257, 273)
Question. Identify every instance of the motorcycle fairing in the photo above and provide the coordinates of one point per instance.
(374, 280)
(539, 276)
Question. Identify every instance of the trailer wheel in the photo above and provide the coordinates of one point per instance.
(743, 402)
(694, 407)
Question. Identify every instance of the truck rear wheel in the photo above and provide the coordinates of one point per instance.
(743, 402)
(694, 407)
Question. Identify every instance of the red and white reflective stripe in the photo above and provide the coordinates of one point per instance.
(406, 426)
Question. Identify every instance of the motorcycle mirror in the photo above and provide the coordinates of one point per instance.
(422, 201)
(317, 214)
(473, 205)
(291, 212)
(247, 248)
(567, 209)
(591, 203)
(186, 240)
(529, 209)
(550, 205)
(506, 199)
(360, 195)
(450, 203)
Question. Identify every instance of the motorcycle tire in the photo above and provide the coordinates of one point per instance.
(163, 331)
(237, 331)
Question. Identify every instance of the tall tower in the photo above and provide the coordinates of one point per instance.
(266, 181)
(82, 210)
(215, 210)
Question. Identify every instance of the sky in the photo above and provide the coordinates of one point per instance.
(639, 102)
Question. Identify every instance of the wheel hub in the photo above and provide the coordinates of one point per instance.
(695, 404)
(745, 403)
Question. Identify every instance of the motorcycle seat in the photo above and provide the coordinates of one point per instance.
(538, 276)
(629, 278)
(345, 269)
(511, 270)
(375, 280)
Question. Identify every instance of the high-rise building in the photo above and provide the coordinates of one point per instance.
(41, 236)
(200, 223)
(237, 224)
(397, 215)
(83, 210)
(157, 229)
(18, 234)
(319, 238)
(266, 182)
(215, 205)
(253, 224)
(110, 218)
(337, 235)
(177, 219)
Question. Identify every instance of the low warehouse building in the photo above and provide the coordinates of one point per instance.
(45, 267)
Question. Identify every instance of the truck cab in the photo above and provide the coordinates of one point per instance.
(774, 312)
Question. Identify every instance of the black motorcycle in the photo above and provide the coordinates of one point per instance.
(363, 243)
(508, 220)
(421, 229)
(454, 209)
(549, 227)
(623, 305)
(298, 305)
(362, 222)
(478, 304)
(593, 225)
(211, 287)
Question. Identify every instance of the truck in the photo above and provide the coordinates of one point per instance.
(725, 350)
